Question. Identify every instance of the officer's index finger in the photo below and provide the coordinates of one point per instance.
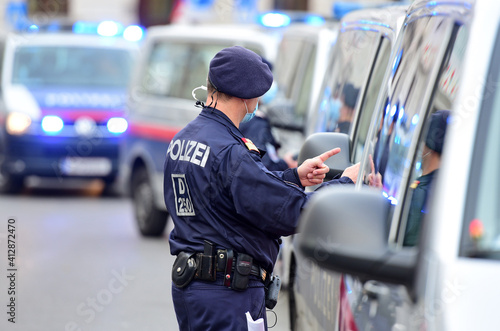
(326, 155)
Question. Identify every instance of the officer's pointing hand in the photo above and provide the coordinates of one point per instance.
(313, 171)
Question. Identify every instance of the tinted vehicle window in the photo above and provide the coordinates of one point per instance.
(481, 232)
(304, 88)
(346, 74)
(175, 68)
(415, 91)
(71, 66)
(371, 94)
(286, 69)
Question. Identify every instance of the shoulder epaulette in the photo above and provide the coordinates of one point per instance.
(250, 145)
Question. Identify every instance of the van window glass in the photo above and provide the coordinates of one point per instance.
(424, 172)
(45, 66)
(175, 68)
(289, 55)
(350, 66)
(481, 228)
(304, 90)
(371, 94)
(415, 75)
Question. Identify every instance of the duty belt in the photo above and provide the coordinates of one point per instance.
(212, 261)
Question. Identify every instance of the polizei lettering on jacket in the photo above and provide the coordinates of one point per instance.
(189, 150)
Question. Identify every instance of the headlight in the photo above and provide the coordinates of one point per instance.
(17, 123)
(117, 125)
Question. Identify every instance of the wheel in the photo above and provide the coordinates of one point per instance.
(292, 305)
(10, 183)
(150, 220)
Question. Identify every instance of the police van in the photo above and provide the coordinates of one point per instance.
(62, 105)
(360, 59)
(302, 60)
(174, 60)
(448, 280)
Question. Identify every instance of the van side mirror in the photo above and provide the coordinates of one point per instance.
(345, 230)
(318, 143)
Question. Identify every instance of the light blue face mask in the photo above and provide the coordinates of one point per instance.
(249, 116)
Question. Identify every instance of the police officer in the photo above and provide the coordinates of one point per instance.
(229, 211)
(431, 160)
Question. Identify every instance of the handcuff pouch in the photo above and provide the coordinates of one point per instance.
(184, 269)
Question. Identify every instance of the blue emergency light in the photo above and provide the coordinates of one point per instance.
(133, 33)
(314, 20)
(52, 124)
(275, 20)
(109, 29)
(117, 125)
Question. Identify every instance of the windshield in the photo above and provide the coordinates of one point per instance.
(71, 67)
(175, 68)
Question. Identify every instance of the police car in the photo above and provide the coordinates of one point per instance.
(449, 280)
(62, 105)
(360, 58)
(174, 60)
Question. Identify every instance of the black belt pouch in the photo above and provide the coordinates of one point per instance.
(184, 269)
(241, 272)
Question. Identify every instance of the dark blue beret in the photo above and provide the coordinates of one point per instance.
(239, 72)
(437, 130)
(350, 95)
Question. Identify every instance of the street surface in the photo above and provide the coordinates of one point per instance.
(77, 262)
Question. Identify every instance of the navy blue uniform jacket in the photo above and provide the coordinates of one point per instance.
(216, 188)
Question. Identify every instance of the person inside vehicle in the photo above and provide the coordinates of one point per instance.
(431, 160)
(420, 188)
(346, 112)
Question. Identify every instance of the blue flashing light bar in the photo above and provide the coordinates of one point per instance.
(52, 124)
(109, 29)
(280, 19)
(84, 28)
(314, 20)
(133, 33)
(33, 28)
(117, 125)
(275, 20)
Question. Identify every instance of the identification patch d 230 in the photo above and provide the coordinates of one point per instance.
(183, 202)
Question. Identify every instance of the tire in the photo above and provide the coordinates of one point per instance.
(292, 305)
(150, 220)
